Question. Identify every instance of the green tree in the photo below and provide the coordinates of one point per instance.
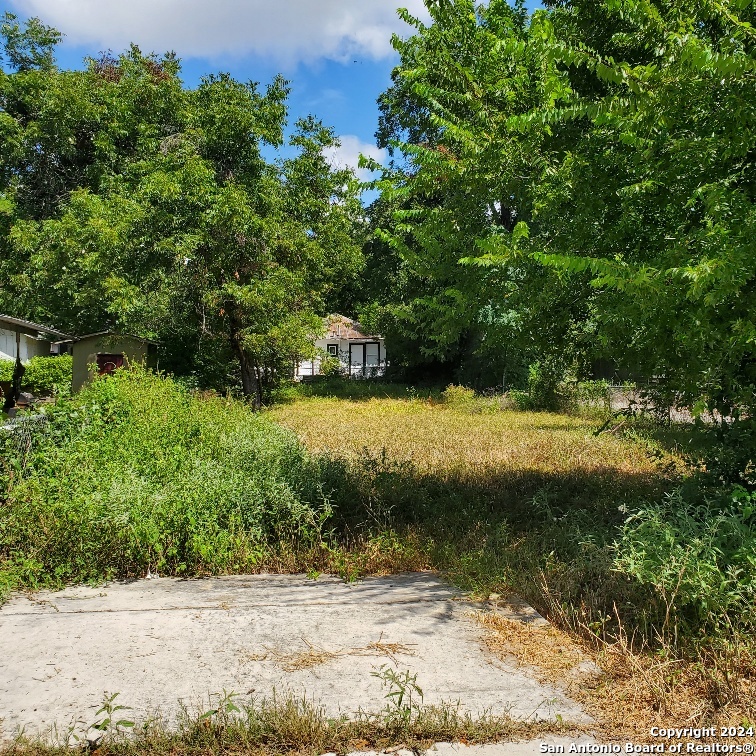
(462, 177)
(134, 203)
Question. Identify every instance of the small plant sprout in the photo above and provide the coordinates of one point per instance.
(110, 724)
(225, 708)
(402, 692)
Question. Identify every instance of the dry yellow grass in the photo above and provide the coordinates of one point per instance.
(313, 656)
(475, 483)
(445, 440)
(626, 692)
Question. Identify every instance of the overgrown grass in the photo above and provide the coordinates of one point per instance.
(597, 531)
(135, 474)
(283, 725)
(336, 387)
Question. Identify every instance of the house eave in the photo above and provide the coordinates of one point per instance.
(30, 329)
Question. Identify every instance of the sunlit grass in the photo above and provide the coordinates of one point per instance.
(505, 502)
(447, 440)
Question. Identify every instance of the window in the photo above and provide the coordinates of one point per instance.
(333, 350)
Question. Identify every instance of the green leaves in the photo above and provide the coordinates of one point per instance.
(130, 202)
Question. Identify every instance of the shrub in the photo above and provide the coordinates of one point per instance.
(544, 383)
(136, 473)
(44, 376)
(330, 366)
(545, 391)
(47, 376)
(700, 558)
(459, 397)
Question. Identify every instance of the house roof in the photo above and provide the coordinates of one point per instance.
(29, 328)
(341, 327)
(72, 339)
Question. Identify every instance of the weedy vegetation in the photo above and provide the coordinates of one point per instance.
(135, 474)
(44, 376)
(286, 724)
(601, 531)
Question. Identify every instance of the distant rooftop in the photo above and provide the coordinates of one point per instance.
(32, 329)
(341, 327)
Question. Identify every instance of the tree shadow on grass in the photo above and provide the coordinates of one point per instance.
(547, 537)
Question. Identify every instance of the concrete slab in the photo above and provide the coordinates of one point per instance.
(166, 641)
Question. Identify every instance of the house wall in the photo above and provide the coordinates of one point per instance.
(29, 346)
(312, 367)
(85, 353)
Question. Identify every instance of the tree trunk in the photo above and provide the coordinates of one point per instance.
(251, 387)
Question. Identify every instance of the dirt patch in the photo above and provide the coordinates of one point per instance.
(551, 653)
(627, 692)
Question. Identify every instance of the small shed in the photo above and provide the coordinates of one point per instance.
(361, 355)
(105, 352)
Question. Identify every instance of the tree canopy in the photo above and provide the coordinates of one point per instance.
(132, 202)
(594, 165)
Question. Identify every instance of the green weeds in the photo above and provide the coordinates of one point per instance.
(44, 376)
(136, 474)
(285, 724)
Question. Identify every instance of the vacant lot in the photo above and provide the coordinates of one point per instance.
(501, 500)
(468, 441)
(137, 474)
(538, 504)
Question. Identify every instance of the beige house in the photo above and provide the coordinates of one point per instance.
(361, 355)
(102, 353)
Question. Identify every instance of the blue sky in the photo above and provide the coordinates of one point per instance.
(336, 53)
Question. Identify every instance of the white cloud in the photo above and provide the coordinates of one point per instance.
(289, 31)
(348, 154)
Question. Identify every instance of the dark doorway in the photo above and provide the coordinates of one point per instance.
(109, 363)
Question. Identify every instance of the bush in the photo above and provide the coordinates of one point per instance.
(330, 366)
(700, 558)
(459, 397)
(44, 376)
(48, 376)
(546, 390)
(136, 473)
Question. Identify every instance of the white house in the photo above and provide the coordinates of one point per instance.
(361, 355)
(21, 338)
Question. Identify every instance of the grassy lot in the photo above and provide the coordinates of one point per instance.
(594, 530)
(537, 504)
(463, 486)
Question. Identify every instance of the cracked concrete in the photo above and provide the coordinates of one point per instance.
(164, 642)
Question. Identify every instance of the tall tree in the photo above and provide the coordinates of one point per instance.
(135, 203)
(462, 174)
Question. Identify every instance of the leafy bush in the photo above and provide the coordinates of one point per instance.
(544, 383)
(136, 473)
(700, 558)
(459, 397)
(545, 391)
(44, 376)
(330, 366)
